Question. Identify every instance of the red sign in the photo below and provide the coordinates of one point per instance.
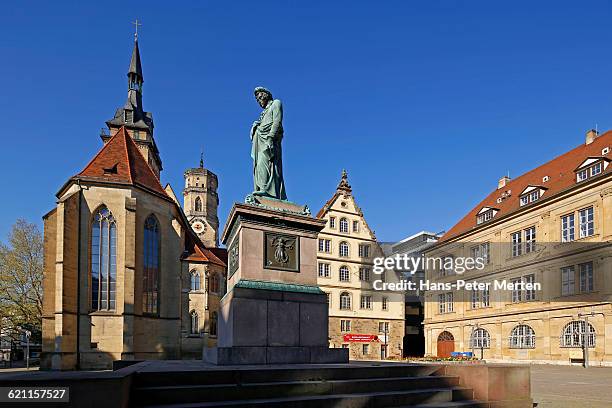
(360, 338)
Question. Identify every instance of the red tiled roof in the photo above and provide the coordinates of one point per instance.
(328, 204)
(197, 252)
(561, 176)
(120, 161)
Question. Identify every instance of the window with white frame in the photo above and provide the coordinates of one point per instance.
(484, 217)
(596, 169)
(517, 246)
(332, 222)
(530, 293)
(485, 298)
(592, 170)
(345, 301)
(329, 299)
(574, 334)
(324, 270)
(567, 280)
(475, 299)
(365, 349)
(366, 302)
(345, 325)
(481, 251)
(364, 274)
(480, 338)
(586, 277)
(344, 249)
(364, 251)
(516, 290)
(345, 274)
(445, 302)
(530, 239)
(385, 303)
(383, 327)
(522, 336)
(587, 225)
(567, 228)
(344, 225)
(447, 266)
(355, 226)
(324, 245)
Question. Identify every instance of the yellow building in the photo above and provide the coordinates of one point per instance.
(547, 234)
(125, 275)
(361, 318)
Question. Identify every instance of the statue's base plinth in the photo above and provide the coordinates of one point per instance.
(274, 323)
(275, 355)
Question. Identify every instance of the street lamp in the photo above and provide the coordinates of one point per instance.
(28, 334)
(585, 334)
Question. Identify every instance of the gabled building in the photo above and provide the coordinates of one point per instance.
(548, 233)
(125, 275)
(367, 321)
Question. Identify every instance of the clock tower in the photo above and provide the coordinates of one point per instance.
(200, 201)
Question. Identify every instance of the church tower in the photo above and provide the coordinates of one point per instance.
(137, 122)
(200, 202)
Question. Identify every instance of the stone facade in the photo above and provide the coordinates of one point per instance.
(575, 276)
(347, 227)
(120, 257)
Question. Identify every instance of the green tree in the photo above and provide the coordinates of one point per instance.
(21, 276)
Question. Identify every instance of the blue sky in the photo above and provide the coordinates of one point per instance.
(426, 104)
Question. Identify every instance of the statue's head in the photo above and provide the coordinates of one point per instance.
(263, 96)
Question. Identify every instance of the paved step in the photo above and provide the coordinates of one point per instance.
(219, 392)
(355, 400)
(457, 404)
(272, 374)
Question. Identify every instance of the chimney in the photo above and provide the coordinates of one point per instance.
(502, 182)
(591, 135)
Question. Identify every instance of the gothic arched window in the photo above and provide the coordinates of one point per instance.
(213, 323)
(195, 280)
(103, 260)
(198, 204)
(214, 283)
(151, 262)
(195, 324)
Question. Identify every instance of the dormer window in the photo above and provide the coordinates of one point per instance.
(591, 167)
(486, 214)
(531, 194)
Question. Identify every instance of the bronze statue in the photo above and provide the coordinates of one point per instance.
(266, 150)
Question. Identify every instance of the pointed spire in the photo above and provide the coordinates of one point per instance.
(344, 185)
(135, 66)
(202, 158)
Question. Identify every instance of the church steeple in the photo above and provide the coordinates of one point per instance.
(135, 78)
(132, 115)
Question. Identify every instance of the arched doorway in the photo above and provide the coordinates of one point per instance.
(446, 344)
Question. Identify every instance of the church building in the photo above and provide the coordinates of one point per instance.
(129, 274)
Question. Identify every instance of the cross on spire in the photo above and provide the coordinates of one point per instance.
(136, 24)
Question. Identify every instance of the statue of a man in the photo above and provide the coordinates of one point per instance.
(266, 151)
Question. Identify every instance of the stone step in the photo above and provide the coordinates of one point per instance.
(262, 374)
(219, 392)
(356, 400)
(452, 404)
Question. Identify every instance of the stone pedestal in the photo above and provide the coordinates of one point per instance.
(273, 312)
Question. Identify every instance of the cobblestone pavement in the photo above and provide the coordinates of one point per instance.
(571, 387)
